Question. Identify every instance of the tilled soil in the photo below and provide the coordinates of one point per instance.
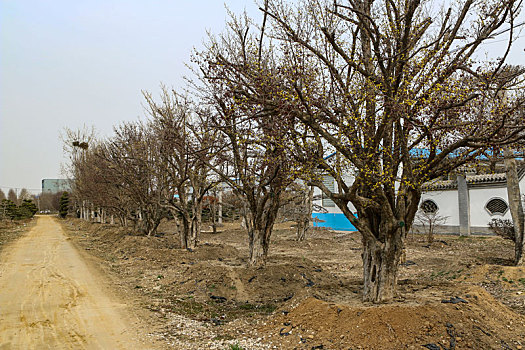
(457, 293)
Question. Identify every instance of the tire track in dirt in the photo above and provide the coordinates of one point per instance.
(50, 299)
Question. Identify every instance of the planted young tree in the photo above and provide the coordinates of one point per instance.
(186, 147)
(254, 159)
(428, 218)
(131, 159)
(77, 145)
(297, 207)
(64, 205)
(391, 86)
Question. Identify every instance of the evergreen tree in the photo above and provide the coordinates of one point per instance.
(27, 209)
(8, 209)
(64, 205)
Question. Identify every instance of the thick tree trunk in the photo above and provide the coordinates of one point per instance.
(184, 232)
(258, 250)
(196, 223)
(303, 224)
(260, 226)
(515, 204)
(380, 265)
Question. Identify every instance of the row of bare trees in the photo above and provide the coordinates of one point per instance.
(391, 87)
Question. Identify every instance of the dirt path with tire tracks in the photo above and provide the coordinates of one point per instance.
(51, 299)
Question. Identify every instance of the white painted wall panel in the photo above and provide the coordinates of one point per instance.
(479, 197)
(447, 202)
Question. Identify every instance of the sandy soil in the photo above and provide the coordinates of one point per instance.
(309, 294)
(51, 299)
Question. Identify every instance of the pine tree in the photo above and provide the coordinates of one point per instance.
(64, 205)
(27, 209)
(8, 210)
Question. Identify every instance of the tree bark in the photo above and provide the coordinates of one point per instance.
(260, 226)
(196, 223)
(380, 265)
(515, 204)
(257, 256)
(219, 198)
(184, 228)
(302, 229)
(303, 224)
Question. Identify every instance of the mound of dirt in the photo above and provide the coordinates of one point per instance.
(473, 320)
(309, 293)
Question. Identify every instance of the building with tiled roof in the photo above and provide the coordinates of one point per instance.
(467, 202)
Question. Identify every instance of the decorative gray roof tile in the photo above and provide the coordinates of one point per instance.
(472, 181)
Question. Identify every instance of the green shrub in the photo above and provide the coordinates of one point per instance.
(64, 205)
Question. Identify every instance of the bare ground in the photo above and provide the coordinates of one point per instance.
(12, 230)
(50, 298)
(458, 293)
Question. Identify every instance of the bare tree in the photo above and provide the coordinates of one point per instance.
(24, 194)
(254, 160)
(186, 148)
(131, 160)
(429, 219)
(2, 195)
(297, 207)
(390, 86)
(76, 146)
(11, 195)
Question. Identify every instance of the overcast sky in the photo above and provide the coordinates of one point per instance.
(74, 63)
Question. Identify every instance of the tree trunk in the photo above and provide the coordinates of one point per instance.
(260, 226)
(213, 216)
(301, 230)
(303, 224)
(219, 199)
(184, 232)
(257, 249)
(515, 204)
(196, 223)
(380, 265)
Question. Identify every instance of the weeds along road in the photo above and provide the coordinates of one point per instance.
(50, 299)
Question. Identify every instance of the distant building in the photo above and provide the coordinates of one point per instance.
(467, 203)
(55, 185)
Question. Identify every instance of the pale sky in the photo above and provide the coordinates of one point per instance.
(70, 63)
(74, 63)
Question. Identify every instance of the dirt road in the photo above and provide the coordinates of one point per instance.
(50, 299)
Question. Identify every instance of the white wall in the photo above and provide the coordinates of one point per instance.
(334, 210)
(447, 202)
(479, 197)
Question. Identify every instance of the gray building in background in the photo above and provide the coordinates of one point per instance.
(55, 185)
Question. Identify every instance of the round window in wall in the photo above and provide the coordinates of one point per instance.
(497, 206)
(429, 206)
